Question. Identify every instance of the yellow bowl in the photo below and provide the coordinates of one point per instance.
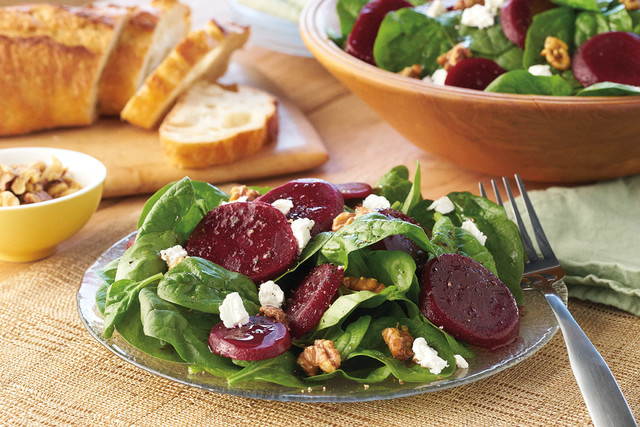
(31, 232)
(543, 138)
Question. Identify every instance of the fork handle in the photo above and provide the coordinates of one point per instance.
(605, 401)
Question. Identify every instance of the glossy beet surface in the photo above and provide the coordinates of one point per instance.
(468, 301)
(362, 37)
(473, 73)
(251, 238)
(308, 302)
(354, 190)
(315, 199)
(516, 17)
(261, 338)
(608, 57)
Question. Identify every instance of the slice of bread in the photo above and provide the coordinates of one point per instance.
(52, 61)
(146, 39)
(204, 53)
(211, 125)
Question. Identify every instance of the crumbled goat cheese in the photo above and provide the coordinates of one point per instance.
(283, 205)
(478, 16)
(427, 357)
(436, 8)
(172, 256)
(494, 6)
(301, 228)
(232, 311)
(239, 199)
(472, 228)
(374, 202)
(540, 70)
(461, 362)
(439, 76)
(444, 205)
(270, 294)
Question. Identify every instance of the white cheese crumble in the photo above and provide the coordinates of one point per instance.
(540, 70)
(270, 294)
(439, 76)
(461, 362)
(283, 205)
(375, 202)
(478, 16)
(232, 311)
(436, 8)
(301, 228)
(239, 199)
(472, 228)
(494, 6)
(427, 357)
(172, 256)
(444, 205)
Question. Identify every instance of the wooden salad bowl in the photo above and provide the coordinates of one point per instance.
(542, 138)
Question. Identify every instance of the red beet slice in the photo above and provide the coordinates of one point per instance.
(516, 17)
(473, 73)
(251, 238)
(312, 198)
(363, 35)
(468, 301)
(354, 190)
(261, 338)
(608, 57)
(312, 297)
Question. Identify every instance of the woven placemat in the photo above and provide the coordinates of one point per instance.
(52, 372)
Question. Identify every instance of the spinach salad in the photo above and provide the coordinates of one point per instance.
(170, 313)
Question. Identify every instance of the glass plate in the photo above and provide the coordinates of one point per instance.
(537, 326)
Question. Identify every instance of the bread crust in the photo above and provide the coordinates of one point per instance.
(203, 53)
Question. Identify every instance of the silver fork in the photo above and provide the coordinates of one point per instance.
(604, 399)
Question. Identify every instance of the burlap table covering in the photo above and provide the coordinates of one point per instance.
(52, 372)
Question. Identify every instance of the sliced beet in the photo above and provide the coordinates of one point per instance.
(473, 73)
(516, 17)
(363, 35)
(312, 198)
(261, 338)
(251, 238)
(308, 302)
(402, 243)
(460, 295)
(608, 57)
(354, 190)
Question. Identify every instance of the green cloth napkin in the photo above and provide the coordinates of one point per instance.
(594, 231)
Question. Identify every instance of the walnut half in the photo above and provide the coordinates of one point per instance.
(556, 52)
(322, 354)
(399, 341)
(363, 284)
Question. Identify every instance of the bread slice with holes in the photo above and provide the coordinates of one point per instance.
(212, 124)
(204, 53)
(146, 39)
(51, 61)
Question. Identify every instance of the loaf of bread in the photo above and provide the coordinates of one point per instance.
(148, 36)
(211, 124)
(52, 61)
(204, 53)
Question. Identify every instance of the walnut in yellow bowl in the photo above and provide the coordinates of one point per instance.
(46, 196)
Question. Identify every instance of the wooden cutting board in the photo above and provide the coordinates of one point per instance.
(136, 163)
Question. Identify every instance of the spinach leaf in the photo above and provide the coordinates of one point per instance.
(486, 42)
(609, 89)
(588, 24)
(142, 259)
(348, 11)
(590, 5)
(199, 284)
(121, 295)
(443, 236)
(278, 370)
(394, 185)
(352, 336)
(524, 83)
(414, 197)
(558, 22)
(510, 59)
(164, 321)
(314, 245)
(469, 246)
(407, 37)
(619, 19)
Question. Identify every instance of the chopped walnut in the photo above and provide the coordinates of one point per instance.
(556, 53)
(363, 284)
(242, 191)
(7, 175)
(322, 354)
(275, 313)
(466, 4)
(412, 71)
(453, 56)
(631, 4)
(346, 218)
(399, 341)
(35, 197)
(26, 176)
(7, 198)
